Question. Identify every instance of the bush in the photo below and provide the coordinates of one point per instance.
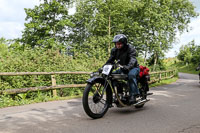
(35, 60)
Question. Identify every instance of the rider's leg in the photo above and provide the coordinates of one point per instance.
(132, 75)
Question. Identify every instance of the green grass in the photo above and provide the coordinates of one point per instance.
(9, 101)
(187, 69)
(164, 82)
(181, 66)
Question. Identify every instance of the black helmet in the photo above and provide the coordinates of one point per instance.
(120, 38)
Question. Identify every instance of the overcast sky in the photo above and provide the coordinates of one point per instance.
(12, 18)
(193, 34)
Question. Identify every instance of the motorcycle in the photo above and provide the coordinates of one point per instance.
(105, 88)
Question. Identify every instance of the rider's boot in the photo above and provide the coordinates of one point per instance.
(132, 99)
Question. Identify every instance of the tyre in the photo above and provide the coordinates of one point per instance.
(96, 101)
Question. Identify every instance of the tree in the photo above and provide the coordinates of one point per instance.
(196, 56)
(99, 19)
(3, 47)
(189, 53)
(151, 25)
(47, 24)
(162, 20)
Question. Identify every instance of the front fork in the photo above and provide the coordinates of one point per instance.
(115, 92)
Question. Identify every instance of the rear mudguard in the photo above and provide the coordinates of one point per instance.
(102, 80)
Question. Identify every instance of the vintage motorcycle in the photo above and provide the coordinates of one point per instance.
(105, 89)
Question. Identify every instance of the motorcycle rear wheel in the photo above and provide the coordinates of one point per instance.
(143, 94)
(95, 103)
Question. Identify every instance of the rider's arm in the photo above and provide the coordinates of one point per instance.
(132, 59)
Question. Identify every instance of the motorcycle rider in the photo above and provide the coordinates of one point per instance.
(126, 55)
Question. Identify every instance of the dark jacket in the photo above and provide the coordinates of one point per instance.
(126, 55)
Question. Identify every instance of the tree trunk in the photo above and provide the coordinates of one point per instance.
(109, 32)
(145, 56)
(155, 61)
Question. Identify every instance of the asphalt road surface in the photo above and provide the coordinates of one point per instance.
(173, 108)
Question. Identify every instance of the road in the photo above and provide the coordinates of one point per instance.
(173, 108)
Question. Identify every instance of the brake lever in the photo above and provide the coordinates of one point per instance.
(120, 66)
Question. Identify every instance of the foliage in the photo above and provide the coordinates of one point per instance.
(189, 53)
(171, 63)
(175, 63)
(37, 60)
(150, 25)
(156, 62)
(47, 25)
(164, 82)
(190, 68)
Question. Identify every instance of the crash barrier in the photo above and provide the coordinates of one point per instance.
(155, 77)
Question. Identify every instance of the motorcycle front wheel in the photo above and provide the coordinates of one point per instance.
(96, 99)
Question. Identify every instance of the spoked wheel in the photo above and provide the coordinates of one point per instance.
(96, 99)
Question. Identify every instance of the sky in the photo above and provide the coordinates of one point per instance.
(186, 37)
(12, 19)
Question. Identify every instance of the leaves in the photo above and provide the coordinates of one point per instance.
(47, 24)
(149, 23)
(189, 53)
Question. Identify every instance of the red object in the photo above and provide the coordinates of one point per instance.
(143, 71)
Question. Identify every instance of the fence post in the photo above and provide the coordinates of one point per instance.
(53, 80)
(160, 76)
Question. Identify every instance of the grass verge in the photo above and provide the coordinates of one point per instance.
(187, 69)
(164, 82)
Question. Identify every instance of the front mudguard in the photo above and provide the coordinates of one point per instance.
(94, 79)
(109, 92)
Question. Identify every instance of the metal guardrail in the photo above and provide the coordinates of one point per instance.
(155, 77)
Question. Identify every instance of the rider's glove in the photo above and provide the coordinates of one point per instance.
(125, 69)
(100, 70)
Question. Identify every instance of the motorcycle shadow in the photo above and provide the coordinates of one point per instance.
(127, 110)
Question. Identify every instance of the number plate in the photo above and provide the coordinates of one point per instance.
(107, 69)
